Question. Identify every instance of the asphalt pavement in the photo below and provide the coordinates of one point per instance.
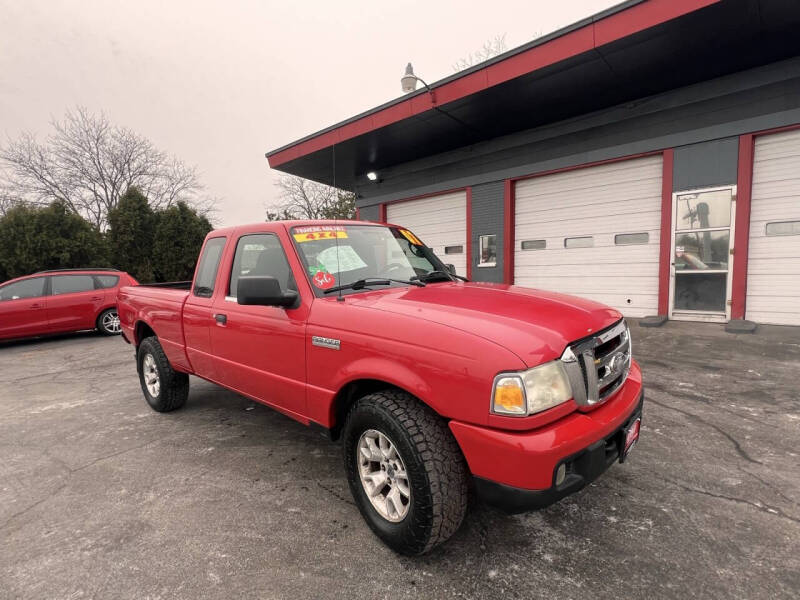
(100, 497)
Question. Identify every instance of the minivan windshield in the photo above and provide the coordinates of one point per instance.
(337, 255)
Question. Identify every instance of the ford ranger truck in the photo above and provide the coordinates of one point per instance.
(433, 384)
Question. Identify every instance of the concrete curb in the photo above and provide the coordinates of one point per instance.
(740, 326)
(652, 321)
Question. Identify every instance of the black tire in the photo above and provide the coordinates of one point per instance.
(106, 328)
(437, 472)
(173, 385)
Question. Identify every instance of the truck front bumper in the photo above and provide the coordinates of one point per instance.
(516, 471)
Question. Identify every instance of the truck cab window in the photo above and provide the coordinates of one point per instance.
(260, 254)
(207, 269)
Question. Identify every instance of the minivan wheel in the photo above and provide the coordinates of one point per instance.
(164, 388)
(108, 322)
(405, 470)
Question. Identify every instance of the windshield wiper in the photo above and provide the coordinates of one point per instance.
(438, 276)
(362, 283)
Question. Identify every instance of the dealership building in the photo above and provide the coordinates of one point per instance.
(647, 157)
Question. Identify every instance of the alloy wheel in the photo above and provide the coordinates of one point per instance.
(111, 322)
(150, 373)
(383, 475)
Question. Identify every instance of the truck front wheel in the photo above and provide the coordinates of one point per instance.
(405, 470)
(164, 388)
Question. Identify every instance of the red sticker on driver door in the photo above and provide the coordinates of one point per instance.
(323, 280)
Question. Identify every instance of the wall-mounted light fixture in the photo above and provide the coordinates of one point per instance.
(372, 176)
(409, 82)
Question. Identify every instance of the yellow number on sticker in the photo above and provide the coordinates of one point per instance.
(411, 237)
(319, 235)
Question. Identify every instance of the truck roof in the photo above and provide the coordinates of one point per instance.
(271, 225)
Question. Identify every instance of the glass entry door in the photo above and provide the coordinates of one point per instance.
(702, 257)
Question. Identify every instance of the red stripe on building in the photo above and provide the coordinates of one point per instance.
(593, 35)
(664, 258)
(508, 231)
(469, 233)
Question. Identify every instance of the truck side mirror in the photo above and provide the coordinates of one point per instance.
(451, 268)
(264, 291)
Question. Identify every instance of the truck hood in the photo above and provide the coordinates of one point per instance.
(533, 324)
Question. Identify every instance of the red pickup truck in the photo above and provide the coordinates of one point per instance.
(433, 384)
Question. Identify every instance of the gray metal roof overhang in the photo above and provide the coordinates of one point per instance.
(635, 50)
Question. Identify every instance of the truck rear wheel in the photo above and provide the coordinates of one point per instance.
(164, 388)
(405, 470)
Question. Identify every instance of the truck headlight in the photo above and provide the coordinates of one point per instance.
(531, 391)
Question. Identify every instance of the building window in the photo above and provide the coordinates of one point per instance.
(579, 242)
(454, 249)
(534, 244)
(629, 239)
(487, 245)
(784, 228)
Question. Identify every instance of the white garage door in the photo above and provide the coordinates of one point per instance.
(594, 233)
(773, 270)
(440, 222)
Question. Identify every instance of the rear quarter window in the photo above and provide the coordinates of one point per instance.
(106, 281)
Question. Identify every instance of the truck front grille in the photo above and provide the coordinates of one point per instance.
(598, 366)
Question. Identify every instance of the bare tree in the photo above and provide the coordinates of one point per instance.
(88, 163)
(7, 200)
(306, 199)
(492, 47)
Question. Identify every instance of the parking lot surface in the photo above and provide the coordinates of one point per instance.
(102, 497)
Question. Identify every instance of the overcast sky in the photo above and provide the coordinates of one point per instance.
(220, 83)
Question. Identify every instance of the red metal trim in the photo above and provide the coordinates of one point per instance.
(664, 258)
(382, 213)
(508, 231)
(593, 35)
(509, 207)
(429, 195)
(596, 163)
(775, 130)
(744, 196)
(643, 16)
(741, 242)
(468, 191)
(469, 233)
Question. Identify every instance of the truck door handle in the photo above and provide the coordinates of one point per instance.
(96, 298)
(37, 305)
(221, 319)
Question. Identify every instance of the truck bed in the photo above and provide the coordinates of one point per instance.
(160, 305)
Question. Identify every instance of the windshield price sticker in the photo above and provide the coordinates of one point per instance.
(338, 259)
(411, 237)
(323, 280)
(323, 232)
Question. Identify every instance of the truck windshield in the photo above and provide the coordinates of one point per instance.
(336, 255)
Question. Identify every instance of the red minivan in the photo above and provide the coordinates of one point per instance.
(61, 301)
